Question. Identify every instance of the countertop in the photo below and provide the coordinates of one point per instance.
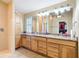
(51, 36)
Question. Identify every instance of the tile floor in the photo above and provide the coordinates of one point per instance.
(24, 53)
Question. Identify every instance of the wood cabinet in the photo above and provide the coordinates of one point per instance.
(68, 52)
(26, 42)
(53, 49)
(18, 42)
(18, 37)
(34, 43)
(56, 48)
(42, 45)
(61, 48)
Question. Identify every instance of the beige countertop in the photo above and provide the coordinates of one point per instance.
(51, 36)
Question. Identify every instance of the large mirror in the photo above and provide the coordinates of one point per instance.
(52, 23)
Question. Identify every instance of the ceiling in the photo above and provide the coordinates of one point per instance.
(26, 6)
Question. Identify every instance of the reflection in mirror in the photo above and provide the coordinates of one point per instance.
(51, 23)
(62, 27)
(34, 24)
(54, 21)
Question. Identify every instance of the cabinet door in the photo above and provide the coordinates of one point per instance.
(34, 43)
(26, 42)
(68, 52)
(18, 42)
(53, 50)
(42, 45)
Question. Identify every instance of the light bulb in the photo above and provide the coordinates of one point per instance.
(56, 11)
(62, 10)
(68, 8)
(38, 14)
(59, 16)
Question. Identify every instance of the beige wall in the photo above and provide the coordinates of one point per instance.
(76, 22)
(3, 24)
(18, 27)
(11, 27)
(19, 23)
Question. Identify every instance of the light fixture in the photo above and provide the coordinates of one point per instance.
(59, 15)
(62, 10)
(46, 13)
(56, 11)
(68, 8)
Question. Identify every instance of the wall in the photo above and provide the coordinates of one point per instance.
(19, 22)
(3, 24)
(11, 27)
(18, 28)
(77, 22)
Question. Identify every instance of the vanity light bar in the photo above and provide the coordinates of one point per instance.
(56, 11)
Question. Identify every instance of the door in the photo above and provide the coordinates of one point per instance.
(3, 27)
(34, 43)
(68, 52)
(3, 36)
(26, 42)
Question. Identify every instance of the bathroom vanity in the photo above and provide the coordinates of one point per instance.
(50, 45)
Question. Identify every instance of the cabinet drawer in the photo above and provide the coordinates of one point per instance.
(52, 54)
(41, 44)
(50, 44)
(42, 50)
(53, 49)
(42, 39)
(64, 42)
